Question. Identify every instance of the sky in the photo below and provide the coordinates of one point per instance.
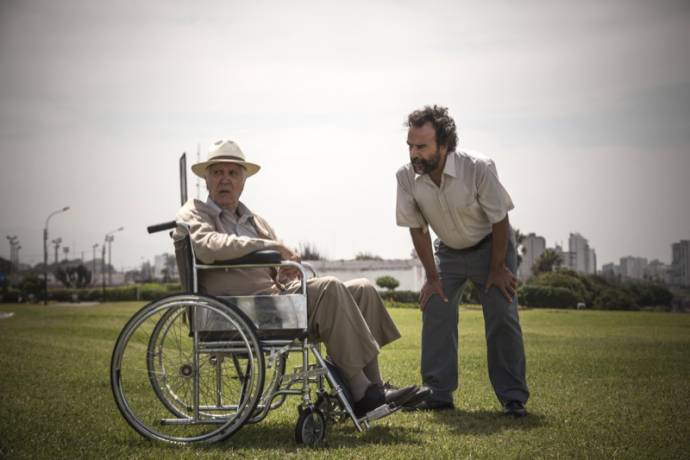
(584, 107)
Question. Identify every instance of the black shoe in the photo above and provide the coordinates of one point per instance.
(373, 398)
(420, 395)
(377, 395)
(431, 404)
(393, 391)
(515, 409)
(396, 395)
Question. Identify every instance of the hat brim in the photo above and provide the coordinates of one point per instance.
(200, 168)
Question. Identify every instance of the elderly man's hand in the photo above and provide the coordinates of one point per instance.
(288, 254)
(288, 274)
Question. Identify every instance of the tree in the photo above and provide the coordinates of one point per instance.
(367, 256)
(76, 277)
(546, 262)
(31, 286)
(387, 282)
(520, 249)
(309, 251)
(168, 270)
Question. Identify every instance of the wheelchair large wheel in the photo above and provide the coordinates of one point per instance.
(178, 376)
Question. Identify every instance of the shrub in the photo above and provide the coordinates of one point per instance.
(615, 299)
(11, 295)
(393, 304)
(152, 291)
(405, 296)
(648, 294)
(31, 285)
(564, 279)
(64, 294)
(387, 282)
(470, 293)
(547, 296)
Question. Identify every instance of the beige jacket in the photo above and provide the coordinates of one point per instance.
(212, 244)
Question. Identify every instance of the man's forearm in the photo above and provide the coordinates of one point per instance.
(499, 243)
(422, 244)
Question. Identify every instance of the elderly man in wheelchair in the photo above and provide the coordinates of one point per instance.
(251, 297)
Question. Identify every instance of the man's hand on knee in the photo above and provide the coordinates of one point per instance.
(503, 279)
(431, 287)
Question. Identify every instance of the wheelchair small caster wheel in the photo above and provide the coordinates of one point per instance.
(311, 426)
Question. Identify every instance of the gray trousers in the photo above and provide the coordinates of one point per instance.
(505, 351)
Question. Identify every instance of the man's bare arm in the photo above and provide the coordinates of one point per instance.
(422, 244)
(500, 276)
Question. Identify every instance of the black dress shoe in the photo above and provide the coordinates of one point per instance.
(515, 409)
(420, 395)
(373, 398)
(397, 395)
(431, 404)
(391, 391)
(377, 395)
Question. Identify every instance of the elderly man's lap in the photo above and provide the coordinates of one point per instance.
(373, 310)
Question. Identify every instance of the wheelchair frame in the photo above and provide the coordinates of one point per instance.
(190, 341)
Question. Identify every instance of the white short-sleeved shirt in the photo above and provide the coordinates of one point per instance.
(460, 211)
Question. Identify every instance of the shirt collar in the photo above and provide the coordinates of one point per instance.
(243, 211)
(448, 168)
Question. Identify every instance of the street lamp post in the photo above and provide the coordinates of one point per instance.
(13, 244)
(93, 262)
(45, 253)
(107, 240)
(56, 242)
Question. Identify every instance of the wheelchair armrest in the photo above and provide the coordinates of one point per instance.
(258, 257)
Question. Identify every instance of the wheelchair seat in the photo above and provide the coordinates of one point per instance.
(276, 317)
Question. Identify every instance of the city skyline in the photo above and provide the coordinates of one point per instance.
(583, 108)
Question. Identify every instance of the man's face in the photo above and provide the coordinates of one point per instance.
(225, 182)
(425, 155)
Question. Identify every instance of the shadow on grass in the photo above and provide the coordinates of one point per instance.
(281, 436)
(272, 437)
(485, 422)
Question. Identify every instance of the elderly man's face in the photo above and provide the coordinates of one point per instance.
(225, 182)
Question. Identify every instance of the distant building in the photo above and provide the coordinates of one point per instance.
(658, 271)
(567, 257)
(610, 271)
(164, 262)
(633, 267)
(583, 258)
(680, 265)
(409, 272)
(592, 262)
(533, 247)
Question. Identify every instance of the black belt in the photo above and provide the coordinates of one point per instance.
(471, 248)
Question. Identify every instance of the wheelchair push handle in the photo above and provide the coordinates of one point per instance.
(161, 227)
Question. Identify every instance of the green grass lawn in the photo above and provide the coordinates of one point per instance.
(604, 385)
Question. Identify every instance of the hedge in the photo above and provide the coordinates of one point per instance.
(616, 299)
(547, 297)
(402, 296)
(565, 279)
(149, 291)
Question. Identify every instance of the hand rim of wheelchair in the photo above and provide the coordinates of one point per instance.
(223, 426)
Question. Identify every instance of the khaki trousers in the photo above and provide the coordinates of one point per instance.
(350, 319)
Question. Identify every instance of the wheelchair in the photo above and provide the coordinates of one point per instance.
(193, 368)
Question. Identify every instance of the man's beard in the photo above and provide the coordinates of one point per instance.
(426, 166)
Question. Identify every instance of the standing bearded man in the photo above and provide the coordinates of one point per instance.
(459, 194)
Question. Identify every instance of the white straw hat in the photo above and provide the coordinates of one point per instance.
(225, 151)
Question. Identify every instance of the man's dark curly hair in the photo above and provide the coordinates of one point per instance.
(446, 132)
